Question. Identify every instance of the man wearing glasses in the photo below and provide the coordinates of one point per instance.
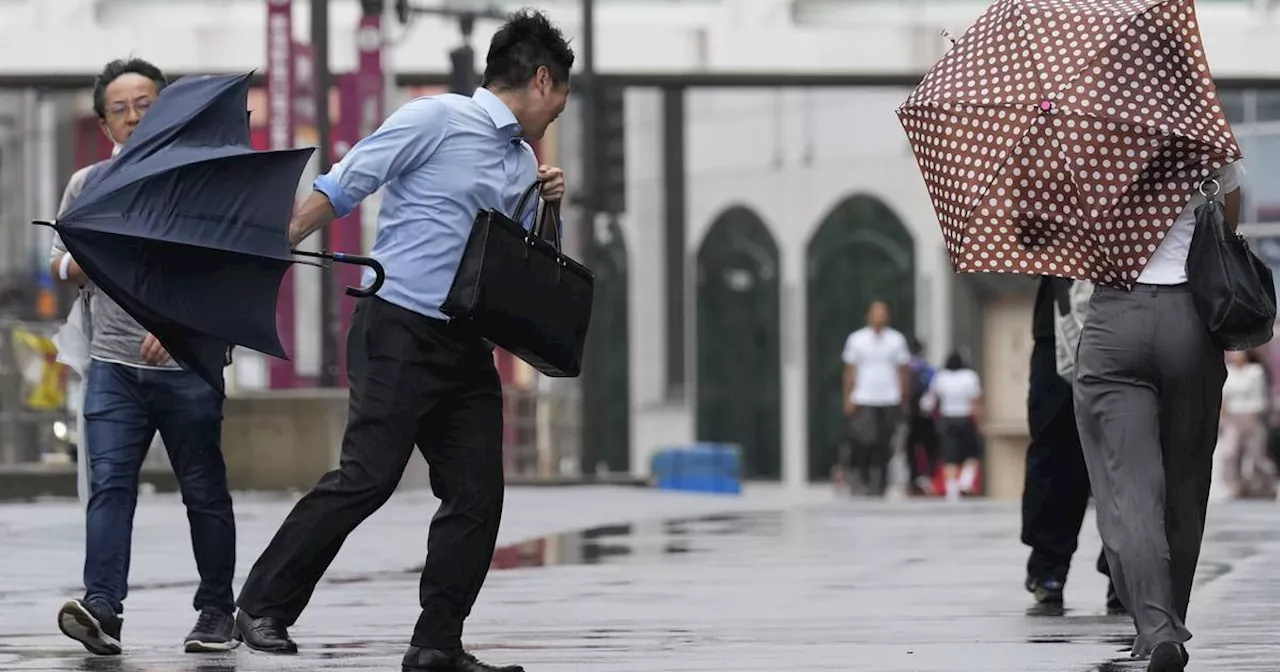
(134, 389)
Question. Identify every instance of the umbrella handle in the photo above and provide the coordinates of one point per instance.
(379, 274)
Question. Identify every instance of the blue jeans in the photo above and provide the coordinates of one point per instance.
(123, 409)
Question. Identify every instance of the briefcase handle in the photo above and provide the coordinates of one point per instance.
(552, 211)
(529, 192)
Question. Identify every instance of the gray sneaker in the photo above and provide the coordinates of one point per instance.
(93, 623)
(212, 632)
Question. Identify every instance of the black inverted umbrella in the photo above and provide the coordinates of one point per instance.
(187, 228)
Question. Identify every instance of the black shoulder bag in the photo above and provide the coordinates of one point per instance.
(1234, 292)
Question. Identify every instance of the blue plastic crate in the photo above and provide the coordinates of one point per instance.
(701, 467)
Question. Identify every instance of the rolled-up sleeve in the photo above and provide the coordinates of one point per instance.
(402, 143)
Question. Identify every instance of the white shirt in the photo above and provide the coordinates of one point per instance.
(954, 392)
(877, 358)
(1168, 264)
(1245, 390)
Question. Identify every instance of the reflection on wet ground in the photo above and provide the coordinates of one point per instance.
(634, 542)
(853, 587)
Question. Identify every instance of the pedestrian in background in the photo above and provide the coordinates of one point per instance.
(922, 433)
(1248, 469)
(133, 390)
(956, 394)
(876, 386)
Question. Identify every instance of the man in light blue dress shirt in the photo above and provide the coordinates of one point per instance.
(415, 377)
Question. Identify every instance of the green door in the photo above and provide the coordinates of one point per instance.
(607, 423)
(739, 367)
(860, 253)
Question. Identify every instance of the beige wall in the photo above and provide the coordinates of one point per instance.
(287, 439)
(1006, 345)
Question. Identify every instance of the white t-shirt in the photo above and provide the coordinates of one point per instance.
(877, 358)
(1168, 264)
(955, 392)
(1245, 390)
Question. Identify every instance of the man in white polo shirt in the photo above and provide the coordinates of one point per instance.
(876, 376)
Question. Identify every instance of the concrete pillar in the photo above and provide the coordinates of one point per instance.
(795, 392)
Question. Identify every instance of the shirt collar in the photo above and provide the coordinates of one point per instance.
(503, 118)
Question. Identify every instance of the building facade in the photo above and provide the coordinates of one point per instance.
(798, 206)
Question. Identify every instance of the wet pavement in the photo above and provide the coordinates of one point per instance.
(771, 584)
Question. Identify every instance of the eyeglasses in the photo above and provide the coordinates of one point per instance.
(122, 108)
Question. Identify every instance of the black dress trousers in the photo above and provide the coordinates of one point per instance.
(1055, 495)
(414, 380)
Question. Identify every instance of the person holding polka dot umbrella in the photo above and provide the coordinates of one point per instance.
(1072, 138)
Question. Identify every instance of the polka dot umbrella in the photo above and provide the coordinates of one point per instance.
(1063, 137)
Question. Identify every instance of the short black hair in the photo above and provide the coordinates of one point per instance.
(955, 362)
(527, 41)
(117, 69)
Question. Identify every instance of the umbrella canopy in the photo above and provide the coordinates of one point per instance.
(187, 228)
(1064, 137)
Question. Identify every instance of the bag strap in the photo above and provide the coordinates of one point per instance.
(549, 218)
(549, 211)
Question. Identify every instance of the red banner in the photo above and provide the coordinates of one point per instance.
(280, 80)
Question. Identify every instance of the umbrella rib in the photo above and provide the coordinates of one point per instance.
(1088, 65)
(1141, 123)
(1024, 14)
(966, 103)
(1071, 174)
(247, 223)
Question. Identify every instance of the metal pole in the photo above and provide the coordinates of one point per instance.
(329, 323)
(592, 406)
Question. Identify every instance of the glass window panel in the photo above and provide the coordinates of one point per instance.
(1268, 105)
(1233, 102)
(1263, 163)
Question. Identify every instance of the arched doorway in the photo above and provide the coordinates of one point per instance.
(860, 253)
(739, 367)
(607, 422)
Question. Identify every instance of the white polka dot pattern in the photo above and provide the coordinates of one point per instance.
(1063, 137)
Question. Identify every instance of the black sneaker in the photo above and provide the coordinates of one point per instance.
(1046, 591)
(212, 632)
(93, 623)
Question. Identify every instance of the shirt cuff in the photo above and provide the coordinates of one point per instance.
(342, 204)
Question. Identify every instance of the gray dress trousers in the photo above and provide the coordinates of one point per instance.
(1148, 392)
